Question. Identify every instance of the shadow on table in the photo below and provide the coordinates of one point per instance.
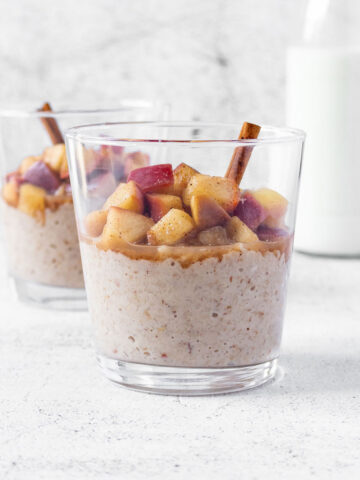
(309, 373)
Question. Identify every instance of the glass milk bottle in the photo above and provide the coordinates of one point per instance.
(323, 98)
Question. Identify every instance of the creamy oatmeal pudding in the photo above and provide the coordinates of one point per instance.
(224, 310)
(186, 269)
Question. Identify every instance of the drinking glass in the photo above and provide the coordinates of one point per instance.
(39, 229)
(186, 274)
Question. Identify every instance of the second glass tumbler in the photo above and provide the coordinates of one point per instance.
(38, 221)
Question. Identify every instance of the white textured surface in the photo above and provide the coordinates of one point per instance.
(61, 420)
(214, 60)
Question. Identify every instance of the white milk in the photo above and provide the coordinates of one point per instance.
(323, 98)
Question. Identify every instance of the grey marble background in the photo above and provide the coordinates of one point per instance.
(212, 59)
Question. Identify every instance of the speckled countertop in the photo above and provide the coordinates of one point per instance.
(60, 419)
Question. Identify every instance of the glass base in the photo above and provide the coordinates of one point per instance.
(50, 297)
(186, 381)
(341, 256)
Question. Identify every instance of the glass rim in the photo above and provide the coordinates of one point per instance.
(124, 105)
(285, 134)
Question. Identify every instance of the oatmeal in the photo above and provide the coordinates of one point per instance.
(44, 253)
(216, 312)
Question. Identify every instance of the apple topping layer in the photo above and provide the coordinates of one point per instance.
(159, 206)
(42, 181)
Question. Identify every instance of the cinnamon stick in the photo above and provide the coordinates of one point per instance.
(51, 125)
(241, 155)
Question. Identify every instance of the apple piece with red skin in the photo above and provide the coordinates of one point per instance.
(206, 212)
(268, 234)
(160, 204)
(250, 211)
(101, 183)
(40, 175)
(151, 178)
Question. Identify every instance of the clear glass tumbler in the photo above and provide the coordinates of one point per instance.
(38, 221)
(186, 273)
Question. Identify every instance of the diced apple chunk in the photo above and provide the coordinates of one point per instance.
(153, 178)
(55, 156)
(172, 228)
(27, 163)
(250, 211)
(123, 226)
(127, 196)
(214, 236)
(182, 176)
(206, 212)
(238, 231)
(274, 204)
(223, 190)
(94, 222)
(160, 204)
(40, 175)
(32, 201)
(10, 193)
